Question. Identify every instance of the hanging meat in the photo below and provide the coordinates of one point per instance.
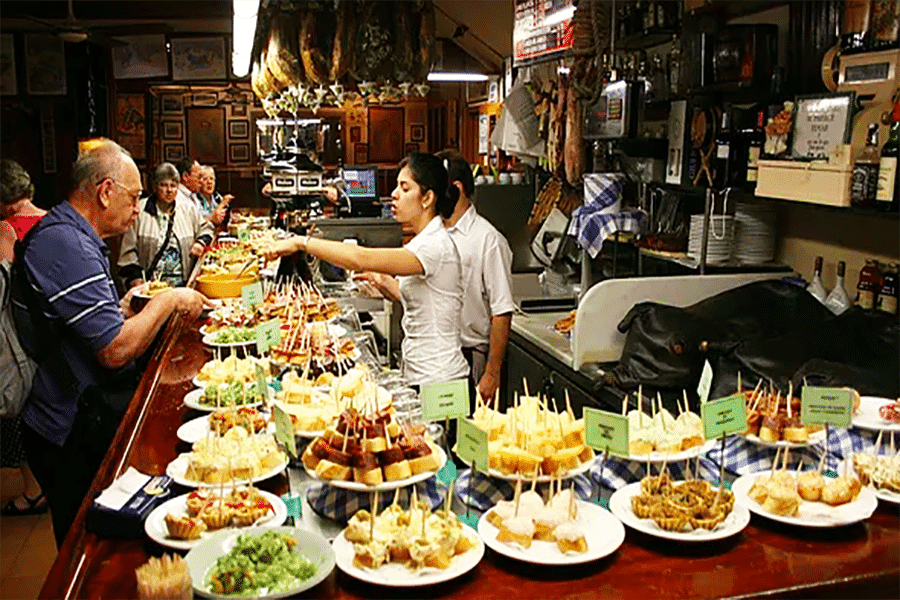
(257, 82)
(427, 31)
(270, 83)
(315, 66)
(574, 142)
(346, 24)
(557, 128)
(281, 57)
(404, 56)
(374, 42)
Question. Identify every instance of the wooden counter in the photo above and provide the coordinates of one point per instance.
(766, 559)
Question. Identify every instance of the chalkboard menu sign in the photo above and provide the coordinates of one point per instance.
(822, 124)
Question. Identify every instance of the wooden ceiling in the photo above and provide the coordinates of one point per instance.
(488, 38)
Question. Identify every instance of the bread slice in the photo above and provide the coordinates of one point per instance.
(369, 476)
(397, 471)
(329, 470)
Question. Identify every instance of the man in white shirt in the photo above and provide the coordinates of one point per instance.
(189, 170)
(487, 282)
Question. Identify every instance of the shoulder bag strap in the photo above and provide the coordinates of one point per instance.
(162, 248)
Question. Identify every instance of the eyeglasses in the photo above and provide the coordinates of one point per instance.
(135, 196)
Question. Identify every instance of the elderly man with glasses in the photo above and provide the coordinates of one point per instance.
(68, 316)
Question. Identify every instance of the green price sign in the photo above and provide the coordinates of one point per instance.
(826, 406)
(604, 430)
(472, 444)
(268, 334)
(705, 384)
(449, 399)
(244, 235)
(725, 416)
(261, 386)
(251, 294)
(284, 430)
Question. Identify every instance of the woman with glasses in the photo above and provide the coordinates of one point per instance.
(213, 206)
(167, 236)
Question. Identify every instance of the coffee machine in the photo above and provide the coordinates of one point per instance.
(875, 78)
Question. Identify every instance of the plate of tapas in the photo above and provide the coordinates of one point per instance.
(185, 521)
(684, 511)
(220, 421)
(365, 452)
(774, 422)
(562, 531)
(226, 395)
(877, 414)
(259, 562)
(807, 499)
(235, 458)
(231, 368)
(881, 472)
(409, 547)
(230, 337)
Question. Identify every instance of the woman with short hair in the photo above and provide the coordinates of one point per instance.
(167, 236)
(213, 206)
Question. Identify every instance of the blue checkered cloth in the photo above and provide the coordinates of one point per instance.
(619, 472)
(590, 226)
(340, 505)
(487, 491)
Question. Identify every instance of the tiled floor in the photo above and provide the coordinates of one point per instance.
(27, 549)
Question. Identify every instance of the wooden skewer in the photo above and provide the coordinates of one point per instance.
(569, 406)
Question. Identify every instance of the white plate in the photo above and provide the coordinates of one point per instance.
(658, 457)
(192, 400)
(583, 468)
(811, 514)
(620, 505)
(398, 575)
(814, 439)
(312, 545)
(208, 340)
(868, 417)
(155, 523)
(886, 495)
(387, 485)
(178, 467)
(603, 533)
(197, 429)
(202, 384)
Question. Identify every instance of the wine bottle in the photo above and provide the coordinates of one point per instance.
(723, 162)
(756, 137)
(838, 301)
(855, 27)
(816, 288)
(865, 171)
(886, 196)
(887, 298)
(869, 285)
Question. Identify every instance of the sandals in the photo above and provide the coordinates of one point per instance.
(36, 506)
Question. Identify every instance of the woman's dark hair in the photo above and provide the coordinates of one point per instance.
(458, 170)
(428, 171)
(15, 183)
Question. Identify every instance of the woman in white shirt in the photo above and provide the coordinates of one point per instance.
(424, 275)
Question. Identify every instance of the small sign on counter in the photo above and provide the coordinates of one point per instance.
(826, 406)
(472, 444)
(725, 416)
(251, 295)
(605, 430)
(445, 400)
(705, 384)
(284, 430)
(268, 334)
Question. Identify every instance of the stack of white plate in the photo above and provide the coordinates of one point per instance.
(721, 238)
(754, 240)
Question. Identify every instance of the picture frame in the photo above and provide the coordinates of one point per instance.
(45, 65)
(198, 58)
(8, 82)
(355, 134)
(172, 105)
(821, 122)
(417, 133)
(239, 153)
(210, 99)
(143, 57)
(239, 129)
(411, 147)
(360, 153)
(206, 135)
(173, 152)
(385, 134)
(238, 110)
(172, 130)
(131, 124)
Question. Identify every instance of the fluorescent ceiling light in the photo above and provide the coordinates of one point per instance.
(245, 8)
(457, 76)
(242, 31)
(559, 16)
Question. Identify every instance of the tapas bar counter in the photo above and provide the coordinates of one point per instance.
(765, 559)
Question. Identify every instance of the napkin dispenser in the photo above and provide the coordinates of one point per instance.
(128, 521)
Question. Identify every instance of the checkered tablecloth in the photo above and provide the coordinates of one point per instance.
(619, 472)
(487, 491)
(590, 225)
(340, 505)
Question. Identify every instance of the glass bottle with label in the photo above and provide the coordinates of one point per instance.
(884, 30)
(755, 138)
(869, 285)
(838, 301)
(723, 161)
(865, 171)
(886, 196)
(855, 27)
(887, 298)
(816, 288)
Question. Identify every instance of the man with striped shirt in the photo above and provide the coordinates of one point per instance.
(67, 429)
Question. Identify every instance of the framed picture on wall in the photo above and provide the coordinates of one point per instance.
(172, 130)
(385, 134)
(239, 129)
(142, 57)
(173, 152)
(355, 134)
(45, 65)
(417, 133)
(239, 153)
(198, 58)
(238, 110)
(131, 124)
(360, 153)
(206, 135)
(204, 99)
(172, 105)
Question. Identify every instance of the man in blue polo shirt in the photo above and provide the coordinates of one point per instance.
(67, 430)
